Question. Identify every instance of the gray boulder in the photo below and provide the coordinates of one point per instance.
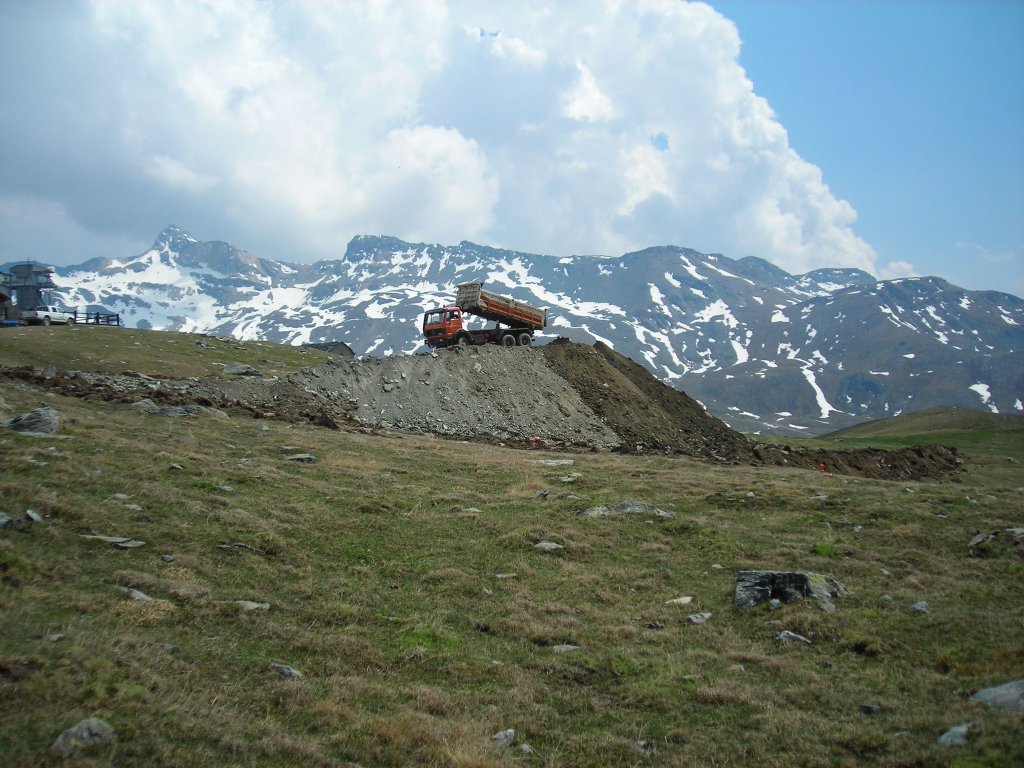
(1007, 696)
(41, 421)
(955, 736)
(754, 587)
(286, 672)
(83, 734)
(626, 508)
(177, 411)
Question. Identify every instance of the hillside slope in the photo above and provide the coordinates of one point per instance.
(202, 587)
(932, 421)
(564, 394)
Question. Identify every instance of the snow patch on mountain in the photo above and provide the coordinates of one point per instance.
(983, 392)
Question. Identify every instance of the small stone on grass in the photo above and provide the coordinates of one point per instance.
(83, 734)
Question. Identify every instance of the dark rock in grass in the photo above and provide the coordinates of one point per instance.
(753, 587)
(42, 421)
(626, 508)
(987, 543)
(240, 369)
(286, 672)
(870, 709)
(302, 458)
(6, 521)
(955, 736)
(177, 411)
(240, 547)
(1007, 696)
(83, 734)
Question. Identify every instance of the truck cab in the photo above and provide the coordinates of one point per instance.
(442, 327)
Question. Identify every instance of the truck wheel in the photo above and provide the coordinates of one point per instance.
(508, 340)
(46, 320)
(463, 340)
(71, 321)
(525, 339)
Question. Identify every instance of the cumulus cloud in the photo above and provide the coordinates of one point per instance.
(896, 269)
(288, 128)
(585, 101)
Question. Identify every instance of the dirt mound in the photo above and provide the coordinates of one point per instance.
(904, 464)
(565, 394)
(645, 413)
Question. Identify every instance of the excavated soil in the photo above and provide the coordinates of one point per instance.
(645, 413)
(564, 394)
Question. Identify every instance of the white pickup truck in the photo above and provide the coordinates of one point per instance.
(44, 315)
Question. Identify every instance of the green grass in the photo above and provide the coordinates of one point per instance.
(380, 564)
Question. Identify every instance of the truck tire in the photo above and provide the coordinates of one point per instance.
(525, 339)
(508, 340)
(46, 320)
(71, 320)
(463, 340)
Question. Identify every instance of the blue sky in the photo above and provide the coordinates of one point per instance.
(914, 110)
(887, 136)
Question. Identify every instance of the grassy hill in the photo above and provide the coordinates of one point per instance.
(401, 579)
(932, 421)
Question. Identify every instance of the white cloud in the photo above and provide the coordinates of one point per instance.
(585, 101)
(645, 175)
(440, 179)
(510, 47)
(894, 270)
(288, 128)
(174, 173)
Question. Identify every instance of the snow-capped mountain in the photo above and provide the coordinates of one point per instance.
(764, 350)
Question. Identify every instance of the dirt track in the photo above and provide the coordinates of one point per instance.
(566, 394)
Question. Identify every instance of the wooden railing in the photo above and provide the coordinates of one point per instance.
(98, 318)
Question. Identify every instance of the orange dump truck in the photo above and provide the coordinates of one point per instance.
(514, 321)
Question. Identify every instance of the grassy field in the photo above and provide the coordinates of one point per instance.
(403, 583)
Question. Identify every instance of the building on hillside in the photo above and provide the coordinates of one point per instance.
(6, 308)
(31, 284)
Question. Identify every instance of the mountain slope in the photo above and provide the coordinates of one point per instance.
(762, 349)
